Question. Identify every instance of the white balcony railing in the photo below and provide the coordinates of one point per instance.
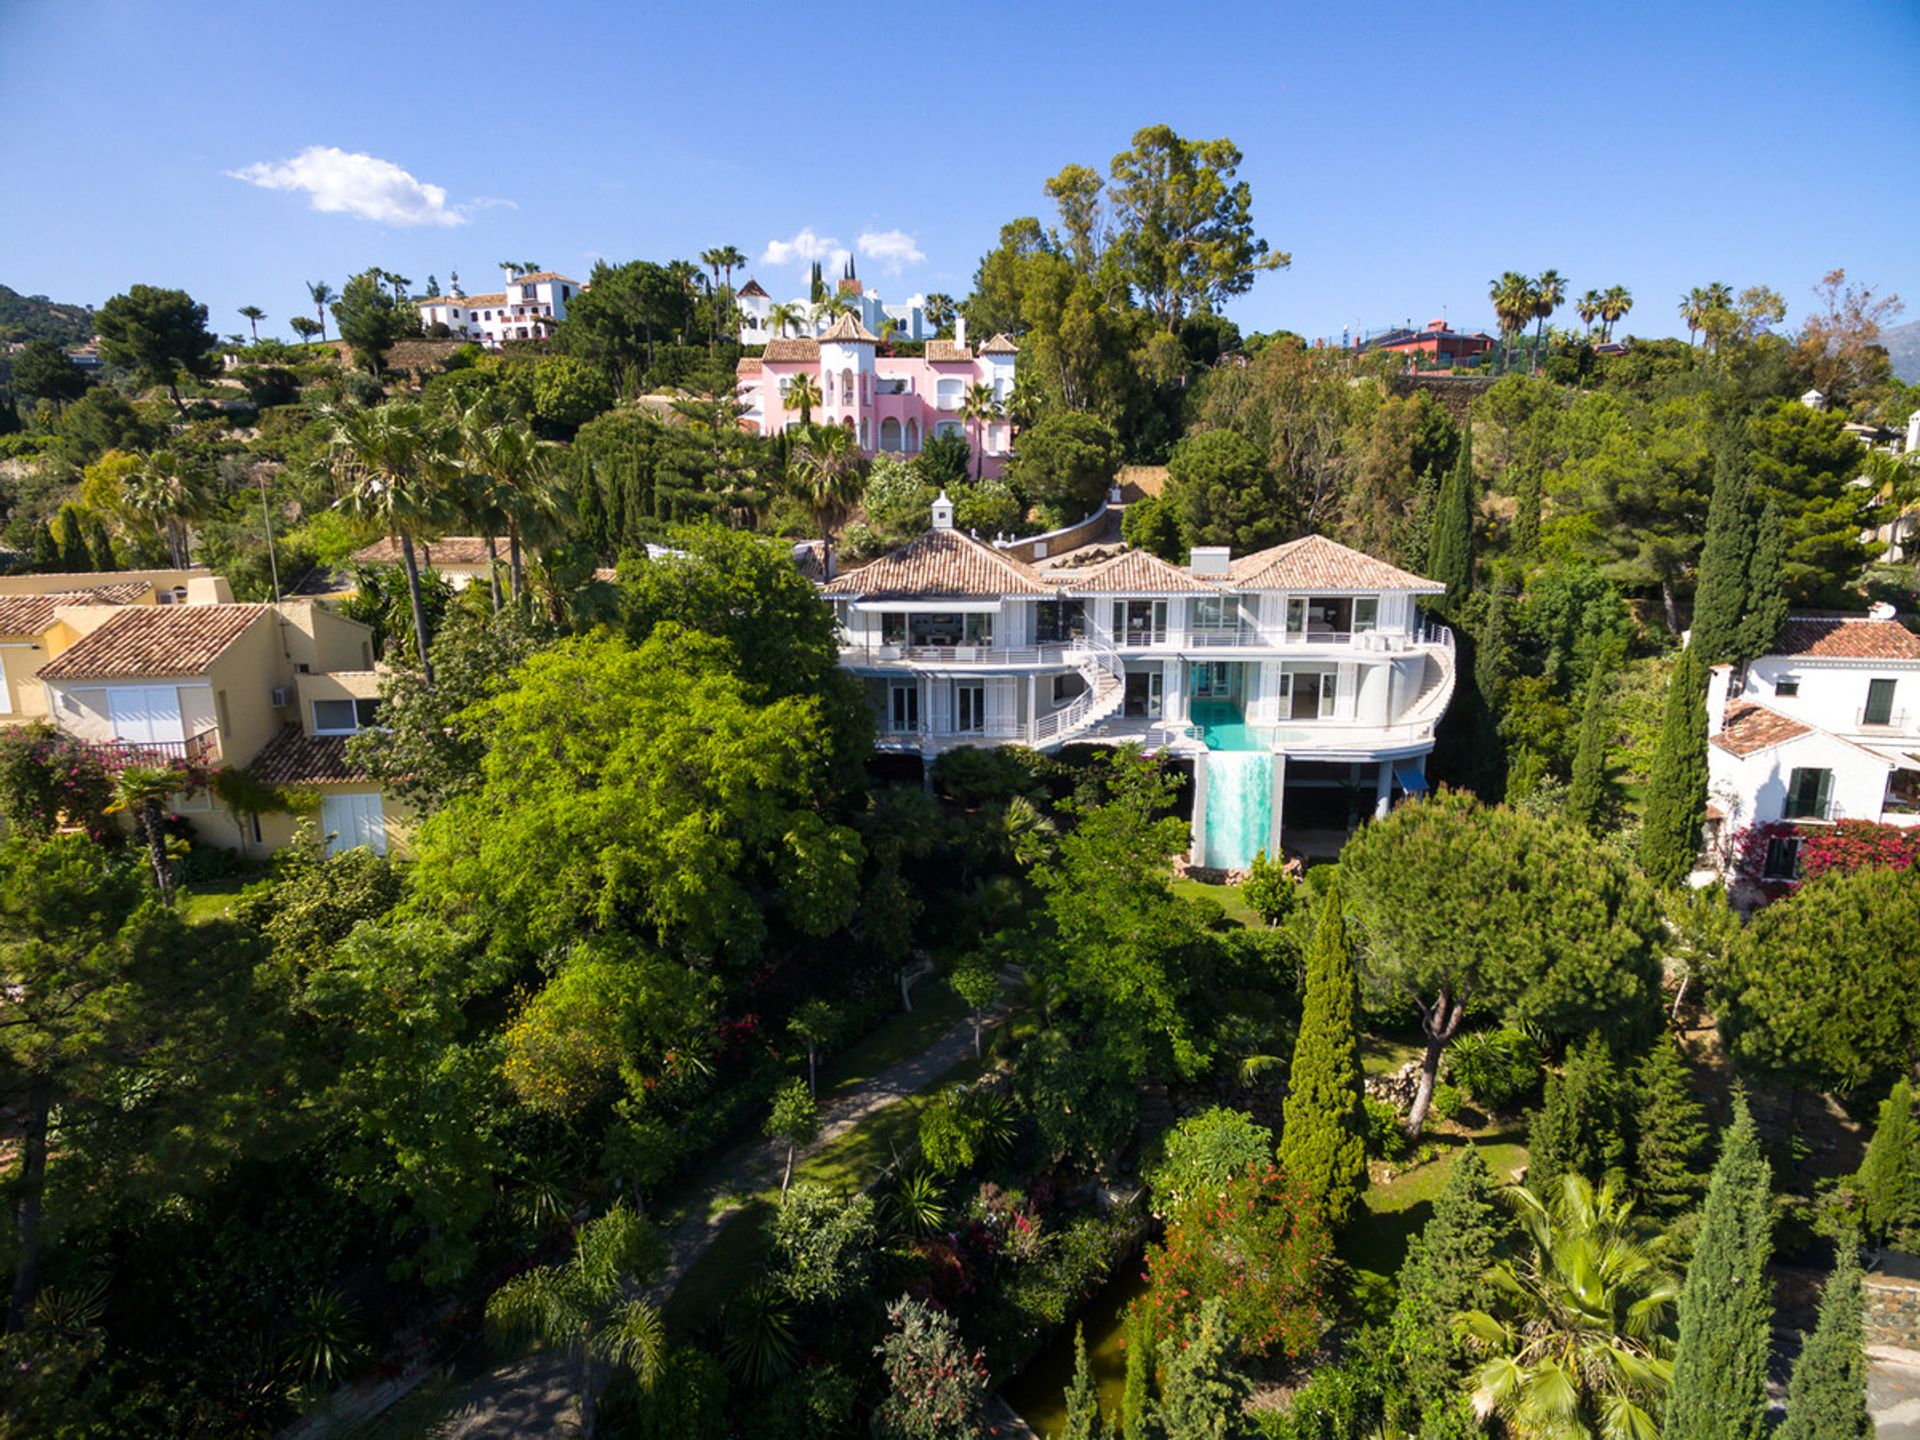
(1866, 719)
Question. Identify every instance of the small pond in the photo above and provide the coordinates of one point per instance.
(1039, 1394)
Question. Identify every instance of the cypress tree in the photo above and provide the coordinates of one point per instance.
(1677, 785)
(46, 550)
(1526, 513)
(1719, 1389)
(1082, 1420)
(1887, 1182)
(1136, 1400)
(1443, 1274)
(1669, 1132)
(1323, 1136)
(101, 547)
(1587, 795)
(1450, 547)
(1827, 1394)
(1492, 659)
(1765, 608)
(1720, 594)
(1577, 1131)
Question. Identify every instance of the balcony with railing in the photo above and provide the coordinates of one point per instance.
(1880, 718)
(117, 755)
(1246, 635)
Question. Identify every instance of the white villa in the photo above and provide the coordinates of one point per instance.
(528, 308)
(1825, 728)
(907, 320)
(1302, 683)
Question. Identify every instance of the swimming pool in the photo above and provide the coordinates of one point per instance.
(1223, 727)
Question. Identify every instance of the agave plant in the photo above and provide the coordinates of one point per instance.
(322, 1340)
(915, 1206)
(759, 1346)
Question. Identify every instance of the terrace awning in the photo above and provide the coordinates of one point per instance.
(1407, 772)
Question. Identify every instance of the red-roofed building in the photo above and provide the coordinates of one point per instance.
(1436, 344)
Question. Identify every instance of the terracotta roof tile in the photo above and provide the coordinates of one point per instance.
(752, 287)
(1131, 572)
(539, 275)
(802, 347)
(1316, 563)
(948, 352)
(937, 565)
(145, 641)
(1001, 344)
(447, 550)
(294, 757)
(1747, 728)
(848, 330)
(747, 365)
(32, 614)
(1843, 639)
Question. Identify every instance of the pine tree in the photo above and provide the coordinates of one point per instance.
(1677, 784)
(1669, 1132)
(1719, 1389)
(1526, 513)
(100, 547)
(1588, 794)
(1492, 659)
(1577, 1131)
(1082, 1420)
(1450, 548)
(1323, 1136)
(1720, 595)
(1765, 607)
(1827, 1394)
(1136, 1399)
(1444, 1274)
(1201, 1391)
(1888, 1182)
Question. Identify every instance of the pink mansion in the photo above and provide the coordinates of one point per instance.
(892, 404)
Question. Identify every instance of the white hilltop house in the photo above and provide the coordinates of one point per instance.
(1302, 683)
(527, 307)
(907, 319)
(1823, 729)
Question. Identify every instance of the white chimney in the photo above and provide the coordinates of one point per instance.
(1720, 681)
(1212, 561)
(943, 512)
(959, 329)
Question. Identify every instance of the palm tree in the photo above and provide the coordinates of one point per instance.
(1550, 290)
(583, 1305)
(253, 315)
(712, 259)
(323, 296)
(831, 307)
(520, 488)
(1578, 1342)
(1513, 305)
(1614, 305)
(827, 474)
(166, 493)
(1693, 310)
(1717, 316)
(785, 315)
(802, 394)
(395, 461)
(977, 406)
(940, 310)
(1588, 309)
(142, 792)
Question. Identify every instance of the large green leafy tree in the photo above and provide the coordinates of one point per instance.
(1202, 1392)
(1323, 1140)
(643, 789)
(1827, 1393)
(1819, 986)
(1065, 465)
(372, 318)
(1225, 494)
(43, 371)
(1461, 904)
(936, 1388)
(1677, 785)
(1805, 463)
(158, 334)
(623, 311)
(1741, 599)
(1719, 1389)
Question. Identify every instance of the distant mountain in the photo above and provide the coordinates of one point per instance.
(1903, 348)
(35, 317)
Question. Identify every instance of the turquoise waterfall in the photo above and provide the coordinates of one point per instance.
(1239, 807)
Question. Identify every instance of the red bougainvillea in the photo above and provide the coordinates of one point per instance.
(1259, 1245)
(1844, 846)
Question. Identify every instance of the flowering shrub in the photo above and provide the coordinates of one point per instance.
(1260, 1246)
(1843, 847)
(48, 779)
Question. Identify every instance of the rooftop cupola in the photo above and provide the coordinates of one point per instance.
(943, 512)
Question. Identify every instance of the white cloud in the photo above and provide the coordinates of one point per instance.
(363, 186)
(894, 249)
(802, 249)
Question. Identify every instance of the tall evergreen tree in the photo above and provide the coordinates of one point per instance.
(1323, 1139)
(1526, 513)
(1677, 786)
(1202, 1392)
(1669, 1132)
(1577, 1130)
(1766, 595)
(1888, 1181)
(1720, 594)
(1445, 1273)
(1719, 1389)
(1493, 658)
(1587, 795)
(1082, 1421)
(1450, 546)
(1827, 1394)
(1136, 1399)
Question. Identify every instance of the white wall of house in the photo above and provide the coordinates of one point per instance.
(1833, 694)
(1753, 789)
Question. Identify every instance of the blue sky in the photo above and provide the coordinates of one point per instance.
(1404, 153)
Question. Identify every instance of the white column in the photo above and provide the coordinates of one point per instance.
(1383, 790)
(1197, 851)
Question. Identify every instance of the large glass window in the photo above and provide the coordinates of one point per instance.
(969, 706)
(1366, 613)
(978, 628)
(904, 707)
(343, 717)
(1144, 693)
(1783, 858)
(1139, 622)
(1056, 621)
(1809, 794)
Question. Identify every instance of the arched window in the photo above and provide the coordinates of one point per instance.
(913, 437)
(890, 434)
(846, 387)
(863, 433)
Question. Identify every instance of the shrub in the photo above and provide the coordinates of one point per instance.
(1203, 1153)
(47, 778)
(1497, 1068)
(825, 1245)
(1386, 1130)
(1448, 1100)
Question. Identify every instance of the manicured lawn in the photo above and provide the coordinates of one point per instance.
(1376, 1239)
(206, 900)
(1384, 1054)
(1227, 897)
